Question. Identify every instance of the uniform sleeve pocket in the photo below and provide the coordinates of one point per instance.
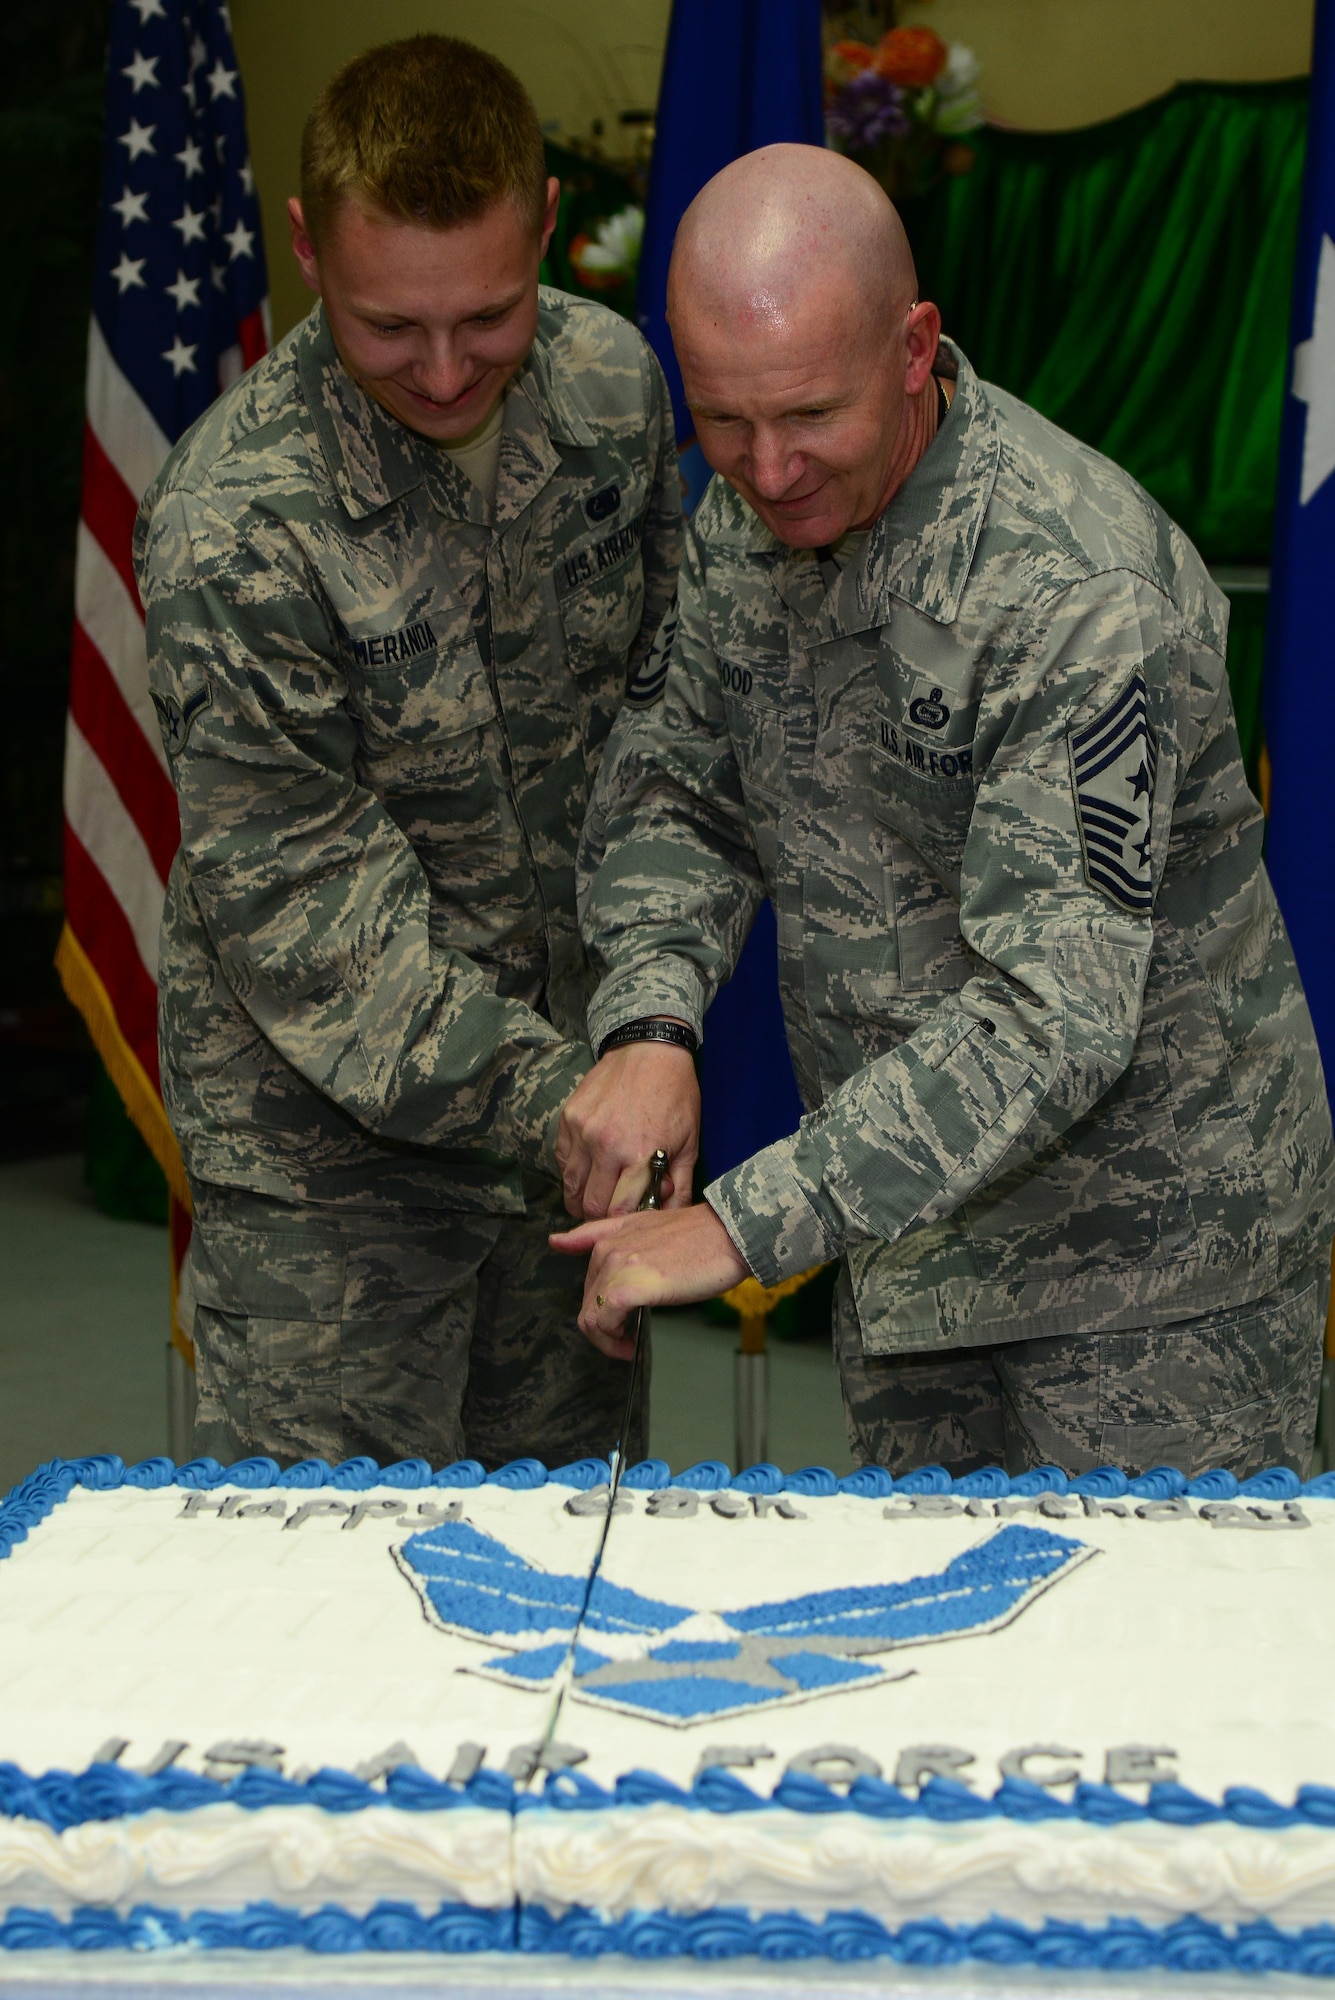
(977, 1081)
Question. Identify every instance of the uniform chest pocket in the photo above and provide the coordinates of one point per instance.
(422, 723)
(601, 619)
(752, 699)
(601, 622)
(923, 818)
(756, 731)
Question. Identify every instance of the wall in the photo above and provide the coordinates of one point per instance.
(1047, 64)
(1052, 64)
(580, 60)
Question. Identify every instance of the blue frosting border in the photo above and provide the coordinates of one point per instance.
(62, 1799)
(1125, 1945)
(34, 1497)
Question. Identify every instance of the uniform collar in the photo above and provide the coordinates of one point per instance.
(555, 394)
(921, 548)
(374, 460)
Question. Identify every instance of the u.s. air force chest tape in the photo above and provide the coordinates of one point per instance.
(1114, 760)
(920, 736)
(608, 545)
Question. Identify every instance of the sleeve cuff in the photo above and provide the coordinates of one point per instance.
(771, 1216)
(667, 985)
(536, 1100)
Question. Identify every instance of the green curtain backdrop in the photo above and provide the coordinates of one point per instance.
(1132, 281)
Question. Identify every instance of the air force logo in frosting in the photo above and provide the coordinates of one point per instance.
(669, 1663)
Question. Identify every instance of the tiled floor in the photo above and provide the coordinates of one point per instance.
(83, 1330)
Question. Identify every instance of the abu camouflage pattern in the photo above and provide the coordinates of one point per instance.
(1236, 1387)
(1035, 1105)
(384, 713)
(337, 1331)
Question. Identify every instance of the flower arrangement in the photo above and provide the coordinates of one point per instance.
(901, 106)
(612, 255)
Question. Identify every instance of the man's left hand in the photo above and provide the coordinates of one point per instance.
(657, 1258)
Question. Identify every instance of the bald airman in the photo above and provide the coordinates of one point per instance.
(949, 688)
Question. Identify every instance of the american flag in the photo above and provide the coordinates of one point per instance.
(179, 310)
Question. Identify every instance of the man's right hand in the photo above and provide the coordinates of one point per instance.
(637, 1099)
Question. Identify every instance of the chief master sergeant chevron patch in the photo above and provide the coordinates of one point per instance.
(1113, 762)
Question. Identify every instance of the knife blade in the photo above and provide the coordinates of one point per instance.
(564, 1675)
(653, 1198)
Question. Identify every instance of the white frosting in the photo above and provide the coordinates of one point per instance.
(1213, 1643)
(673, 1858)
(223, 1857)
(120, 1618)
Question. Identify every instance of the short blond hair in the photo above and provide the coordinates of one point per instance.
(430, 129)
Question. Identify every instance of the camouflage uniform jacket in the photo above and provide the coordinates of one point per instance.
(384, 714)
(1059, 1071)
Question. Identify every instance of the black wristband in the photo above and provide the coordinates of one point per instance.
(675, 1032)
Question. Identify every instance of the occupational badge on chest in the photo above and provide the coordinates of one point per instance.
(1113, 764)
(932, 735)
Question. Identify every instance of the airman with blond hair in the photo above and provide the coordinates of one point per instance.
(398, 578)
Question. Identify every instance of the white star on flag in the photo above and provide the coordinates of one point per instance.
(128, 272)
(247, 178)
(1314, 380)
(142, 72)
(181, 357)
(185, 291)
(221, 81)
(131, 208)
(240, 241)
(139, 138)
(147, 10)
(199, 54)
(191, 158)
(190, 222)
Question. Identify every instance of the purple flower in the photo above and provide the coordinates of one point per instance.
(867, 109)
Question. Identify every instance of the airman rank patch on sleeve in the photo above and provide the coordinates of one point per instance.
(1113, 763)
(175, 718)
(645, 685)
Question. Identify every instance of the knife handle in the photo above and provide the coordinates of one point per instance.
(658, 1166)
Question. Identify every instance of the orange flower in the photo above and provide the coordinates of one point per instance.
(911, 57)
(845, 60)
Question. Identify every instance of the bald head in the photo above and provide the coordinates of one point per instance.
(788, 230)
(805, 353)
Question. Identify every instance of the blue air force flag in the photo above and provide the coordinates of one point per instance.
(1300, 645)
(1113, 765)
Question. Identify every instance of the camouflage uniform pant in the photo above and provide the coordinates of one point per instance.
(331, 1332)
(1236, 1388)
